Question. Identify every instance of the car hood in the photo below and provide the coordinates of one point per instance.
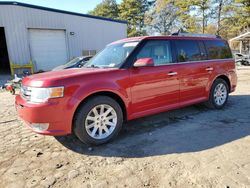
(54, 77)
(61, 67)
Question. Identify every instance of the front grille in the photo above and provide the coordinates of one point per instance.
(25, 92)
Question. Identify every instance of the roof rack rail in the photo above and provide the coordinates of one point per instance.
(194, 35)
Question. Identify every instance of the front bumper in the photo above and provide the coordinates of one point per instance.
(53, 113)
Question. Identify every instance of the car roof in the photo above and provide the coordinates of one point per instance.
(133, 39)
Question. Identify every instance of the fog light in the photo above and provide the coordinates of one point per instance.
(39, 126)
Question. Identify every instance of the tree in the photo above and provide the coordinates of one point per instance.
(244, 13)
(220, 6)
(133, 11)
(204, 10)
(234, 17)
(162, 18)
(188, 21)
(224, 17)
(221, 13)
(107, 8)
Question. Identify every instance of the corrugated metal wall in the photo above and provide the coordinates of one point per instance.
(89, 33)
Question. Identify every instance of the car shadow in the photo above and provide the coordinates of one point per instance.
(189, 129)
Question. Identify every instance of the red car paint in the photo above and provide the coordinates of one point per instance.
(142, 90)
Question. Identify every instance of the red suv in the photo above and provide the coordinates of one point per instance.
(130, 78)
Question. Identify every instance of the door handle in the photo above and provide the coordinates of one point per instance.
(209, 69)
(172, 73)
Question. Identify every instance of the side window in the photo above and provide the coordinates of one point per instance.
(188, 50)
(203, 50)
(159, 51)
(218, 49)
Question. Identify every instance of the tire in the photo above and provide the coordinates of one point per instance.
(89, 125)
(213, 101)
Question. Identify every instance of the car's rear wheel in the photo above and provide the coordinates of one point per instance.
(218, 94)
(98, 121)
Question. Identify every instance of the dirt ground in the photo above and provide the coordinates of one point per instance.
(190, 147)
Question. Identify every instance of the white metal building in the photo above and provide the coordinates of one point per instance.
(51, 37)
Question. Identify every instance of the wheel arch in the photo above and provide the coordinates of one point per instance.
(110, 94)
(221, 76)
(226, 79)
(209, 103)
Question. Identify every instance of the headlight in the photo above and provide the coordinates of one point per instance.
(40, 95)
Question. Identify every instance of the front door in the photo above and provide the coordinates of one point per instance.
(155, 88)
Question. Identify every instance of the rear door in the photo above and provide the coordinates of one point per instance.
(155, 88)
(194, 74)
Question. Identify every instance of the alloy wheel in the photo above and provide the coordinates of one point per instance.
(101, 121)
(220, 94)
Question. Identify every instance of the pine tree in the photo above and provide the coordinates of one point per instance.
(133, 11)
(162, 18)
(107, 8)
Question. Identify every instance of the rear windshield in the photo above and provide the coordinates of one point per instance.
(218, 49)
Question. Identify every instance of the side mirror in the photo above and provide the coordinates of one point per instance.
(144, 62)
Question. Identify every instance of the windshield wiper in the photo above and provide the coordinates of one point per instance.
(92, 66)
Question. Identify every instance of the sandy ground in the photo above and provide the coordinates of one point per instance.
(190, 147)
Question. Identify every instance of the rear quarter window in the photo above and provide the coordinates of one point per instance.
(218, 49)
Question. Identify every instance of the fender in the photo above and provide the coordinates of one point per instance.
(96, 87)
(91, 88)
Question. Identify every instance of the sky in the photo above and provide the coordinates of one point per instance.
(80, 6)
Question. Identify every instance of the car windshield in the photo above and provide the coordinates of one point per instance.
(112, 56)
(73, 61)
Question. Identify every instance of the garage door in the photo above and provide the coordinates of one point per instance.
(48, 48)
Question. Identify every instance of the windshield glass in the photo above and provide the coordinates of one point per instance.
(112, 56)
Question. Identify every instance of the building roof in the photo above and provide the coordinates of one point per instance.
(60, 11)
(242, 37)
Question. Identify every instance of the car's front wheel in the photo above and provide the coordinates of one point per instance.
(98, 121)
(218, 94)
